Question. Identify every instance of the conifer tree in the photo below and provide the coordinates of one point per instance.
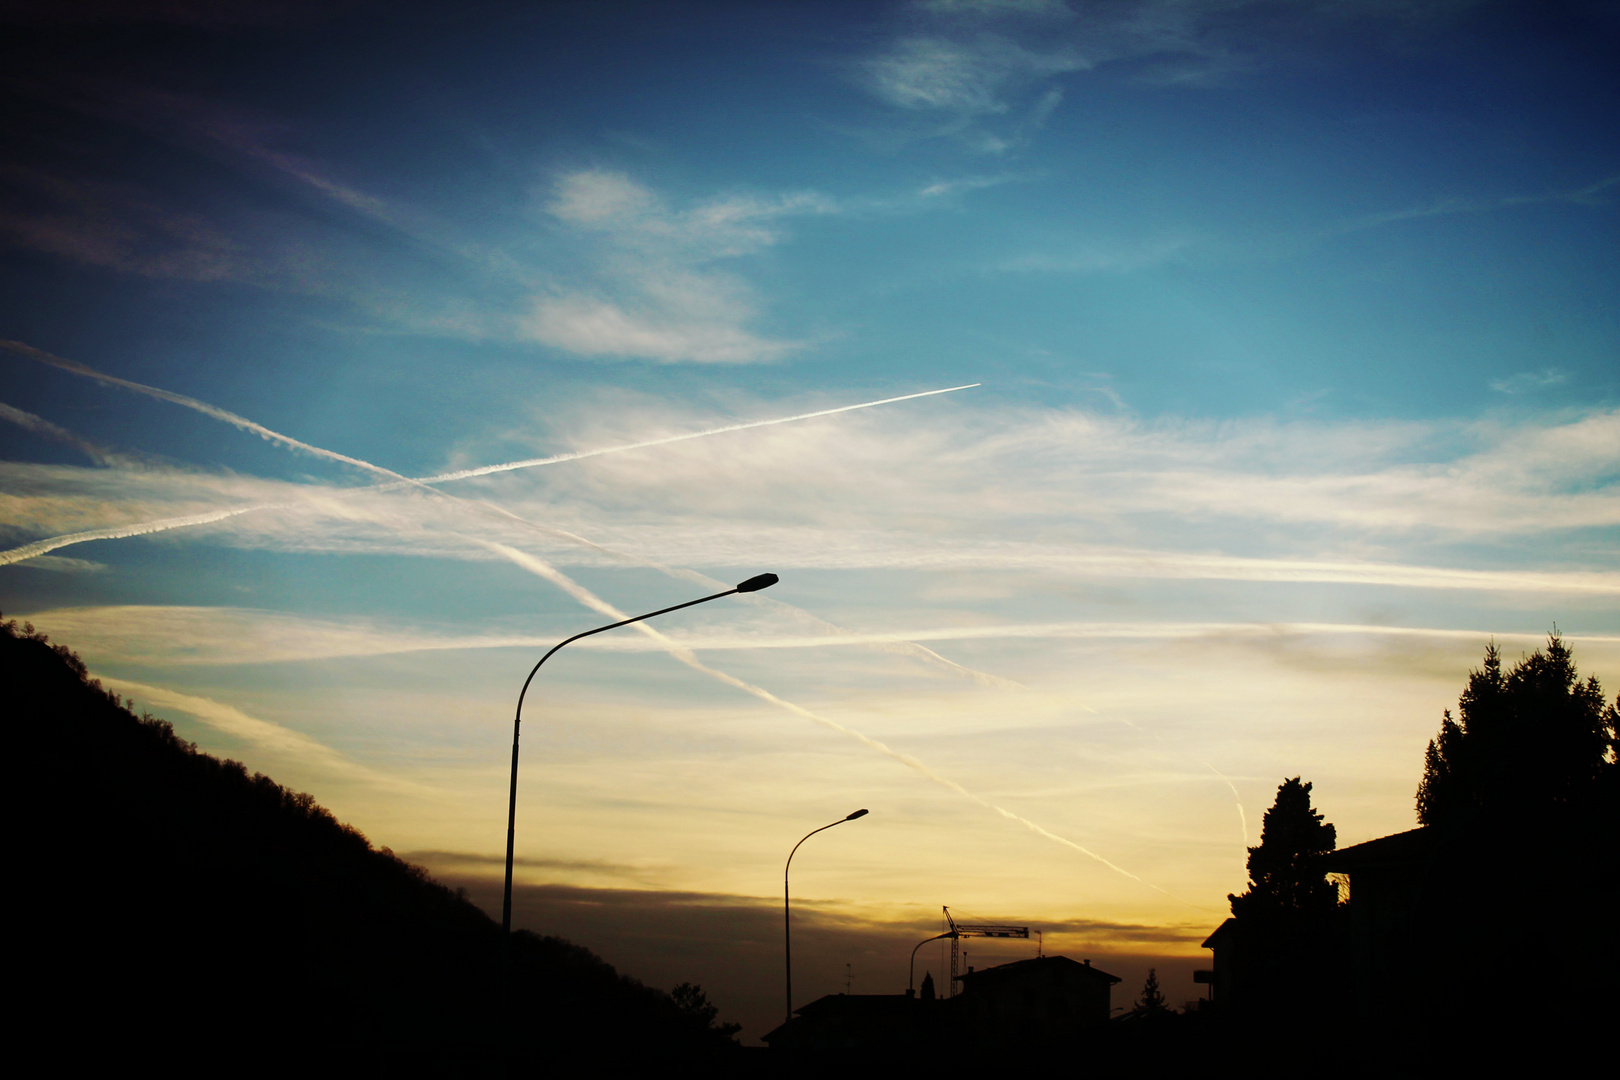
(1533, 736)
(1152, 999)
(1284, 877)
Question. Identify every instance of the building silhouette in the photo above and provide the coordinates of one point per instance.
(1042, 1001)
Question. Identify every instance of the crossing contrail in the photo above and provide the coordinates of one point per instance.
(543, 569)
(685, 655)
(395, 481)
(270, 435)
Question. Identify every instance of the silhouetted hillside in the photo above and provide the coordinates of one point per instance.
(178, 908)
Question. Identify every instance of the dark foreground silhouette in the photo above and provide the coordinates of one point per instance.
(1489, 928)
(171, 908)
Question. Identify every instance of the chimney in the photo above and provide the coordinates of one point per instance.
(1086, 962)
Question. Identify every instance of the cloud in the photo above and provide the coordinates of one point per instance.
(65, 566)
(593, 326)
(990, 91)
(989, 70)
(940, 189)
(1526, 381)
(1585, 195)
(282, 742)
(158, 636)
(657, 293)
(45, 429)
(116, 226)
(992, 8)
(1081, 495)
(969, 79)
(1102, 258)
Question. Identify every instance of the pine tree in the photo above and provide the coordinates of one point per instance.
(1152, 999)
(1284, 877)
(1535, 736)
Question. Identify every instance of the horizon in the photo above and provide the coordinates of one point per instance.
(1141, 403)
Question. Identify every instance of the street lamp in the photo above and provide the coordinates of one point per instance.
(911, 976)
(753, 584)
(787, 911)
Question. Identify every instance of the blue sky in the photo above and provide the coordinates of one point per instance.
(1295, 336)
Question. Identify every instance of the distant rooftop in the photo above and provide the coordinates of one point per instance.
(1019, 967)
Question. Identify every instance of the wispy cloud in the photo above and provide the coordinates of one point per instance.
(58, 565)
(991, 71)
(282, 742)
(38, 425)
(967, 79)
(887, 494)
(1586, 195)
(116, 226)
(986, 90)
(1102, 258)
(180, 636)
(658, 294)
(1526, 381)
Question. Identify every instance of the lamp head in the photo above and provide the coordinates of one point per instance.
(758, 582)
(856, 814)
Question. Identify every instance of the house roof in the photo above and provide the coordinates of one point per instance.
(1227, 927)
(1413, 845)
(1022, 967)
(879, 1008)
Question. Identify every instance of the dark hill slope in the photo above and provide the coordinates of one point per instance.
(182, 908)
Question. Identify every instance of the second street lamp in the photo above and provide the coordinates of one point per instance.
(753, 584)
(787, 910)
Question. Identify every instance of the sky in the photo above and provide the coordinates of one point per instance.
(1256, 365)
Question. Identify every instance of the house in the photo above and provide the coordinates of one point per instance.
(866, 1024)
(1043, 1000)
(1388, 879)
(1224, 943)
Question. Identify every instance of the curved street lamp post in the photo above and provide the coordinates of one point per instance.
(753, 584)
(787, 911)
(911, 977)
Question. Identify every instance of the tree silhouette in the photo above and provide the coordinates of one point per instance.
(1284, 877)
(1533, 736)
(693, 1003)
(1152, 1001)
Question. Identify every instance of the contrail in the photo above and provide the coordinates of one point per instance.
(395, 480)
(41, 426)
(535, 565)
(832, 633)
(192, 403)
(118, 532)
(686, 656)
(529, 463)
(1243, 819)
(263, 432)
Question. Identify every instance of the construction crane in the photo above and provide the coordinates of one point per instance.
(956, 933)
